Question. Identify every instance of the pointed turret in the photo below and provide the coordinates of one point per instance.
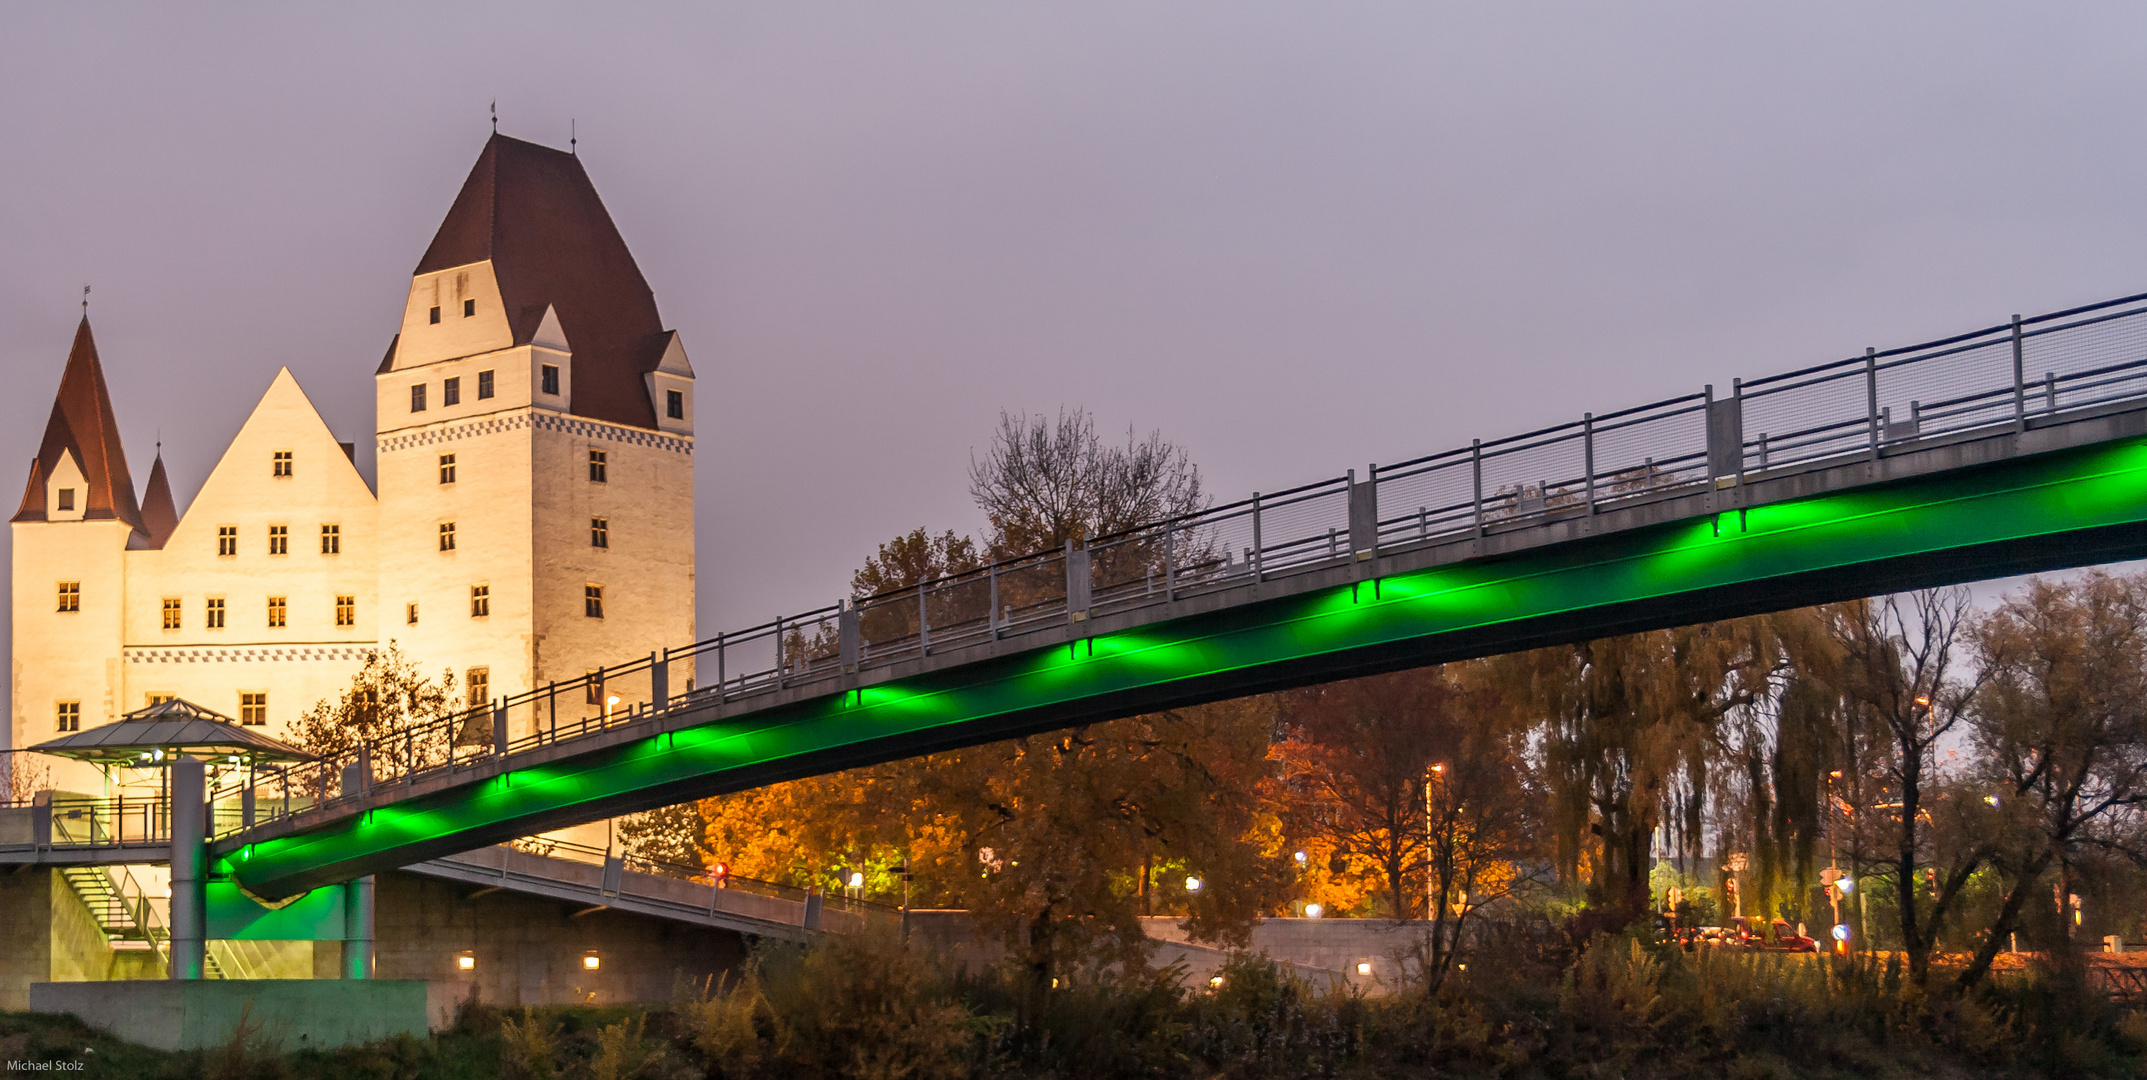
(159, 515)
(82, 425)
(533, 214)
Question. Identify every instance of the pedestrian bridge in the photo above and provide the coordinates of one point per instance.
(2020, 447)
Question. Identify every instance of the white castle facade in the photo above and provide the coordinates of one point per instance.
(533, 518)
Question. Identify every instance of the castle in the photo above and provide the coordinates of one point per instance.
(533, 517)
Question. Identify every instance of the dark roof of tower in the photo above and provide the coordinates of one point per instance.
(532, 211)
(82, 422)
(159, 515)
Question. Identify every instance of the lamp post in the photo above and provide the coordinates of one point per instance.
(1431, 876)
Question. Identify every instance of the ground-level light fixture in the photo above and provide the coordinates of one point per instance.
(1314, 911)
(1364, 967)
(590, 961)
(465, 961)
(1215, 982)
(1192, 884)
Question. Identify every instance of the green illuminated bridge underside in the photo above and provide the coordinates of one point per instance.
(2067, 495)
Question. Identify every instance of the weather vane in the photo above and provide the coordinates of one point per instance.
(495, 116)
(85, 301)
(573, 136)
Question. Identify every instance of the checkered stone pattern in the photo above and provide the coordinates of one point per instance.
(264, 655)
(572, 425)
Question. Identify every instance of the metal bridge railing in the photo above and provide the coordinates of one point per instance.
(1988, 381)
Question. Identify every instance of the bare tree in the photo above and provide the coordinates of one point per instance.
(1897, 661)
(2062, 728)
(1045, 481)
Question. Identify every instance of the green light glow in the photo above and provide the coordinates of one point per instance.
(2049, 495)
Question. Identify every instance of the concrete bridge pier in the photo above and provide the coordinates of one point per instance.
(189, 867)
(358, 892)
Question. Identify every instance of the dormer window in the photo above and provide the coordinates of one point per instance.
(674, 404)
(66, 499)
(549, 375)
(436, 314)
(417, 398)
(469, 308)
(451, 392)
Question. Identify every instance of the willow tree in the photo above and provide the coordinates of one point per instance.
(1625, 719)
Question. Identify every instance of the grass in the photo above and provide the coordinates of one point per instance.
(876, 1009)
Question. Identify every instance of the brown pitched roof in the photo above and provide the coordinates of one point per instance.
(532, 211)
(159, 515)
(82, 422)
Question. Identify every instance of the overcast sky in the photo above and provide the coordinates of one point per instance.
(1295, 238)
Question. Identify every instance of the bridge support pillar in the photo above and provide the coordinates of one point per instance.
(189, 868)
(358, 928)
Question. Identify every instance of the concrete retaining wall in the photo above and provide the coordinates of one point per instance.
(185, 1015)
(1370, 954)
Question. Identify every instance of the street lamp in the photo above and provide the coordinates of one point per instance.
(1314, 911)
(1192, 884)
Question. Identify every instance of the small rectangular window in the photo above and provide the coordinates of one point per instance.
(280, 463)
(227, 539)
(600, 532)
(171, 613)
(451, 392)
(480, 601)
(346, 611)
(596, 466)
(674, 404)
(592, 601)
(213, 616)
(549, 375)
(279, 539)
(410, 613)
(447, 468)
(67, 498)
(447, 536)
(277, 609)
(67, 716)
(331, 539)
(484, 385)
(436, 314)
(417, 398)
(469, 308)
(70, 596)
(253, 710)
(480, 683)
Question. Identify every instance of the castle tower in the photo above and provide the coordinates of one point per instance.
(77, 519)
(535, 440)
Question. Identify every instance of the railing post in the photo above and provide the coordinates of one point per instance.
(991, 618)
(722, 680)
(1256, 545)
(41, 818)
(2020, 381)
(1476, 468)
(1364, 516)
(660, 680)
(1587, 455)
(924, 624)
(780, 680)
(849, 637)
(499, 727)
(1871, 399)
(1170, 563)
(1077, 583)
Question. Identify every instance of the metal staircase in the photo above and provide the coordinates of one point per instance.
(120, 907)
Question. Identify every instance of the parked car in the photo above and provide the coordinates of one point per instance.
(1753, 933)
